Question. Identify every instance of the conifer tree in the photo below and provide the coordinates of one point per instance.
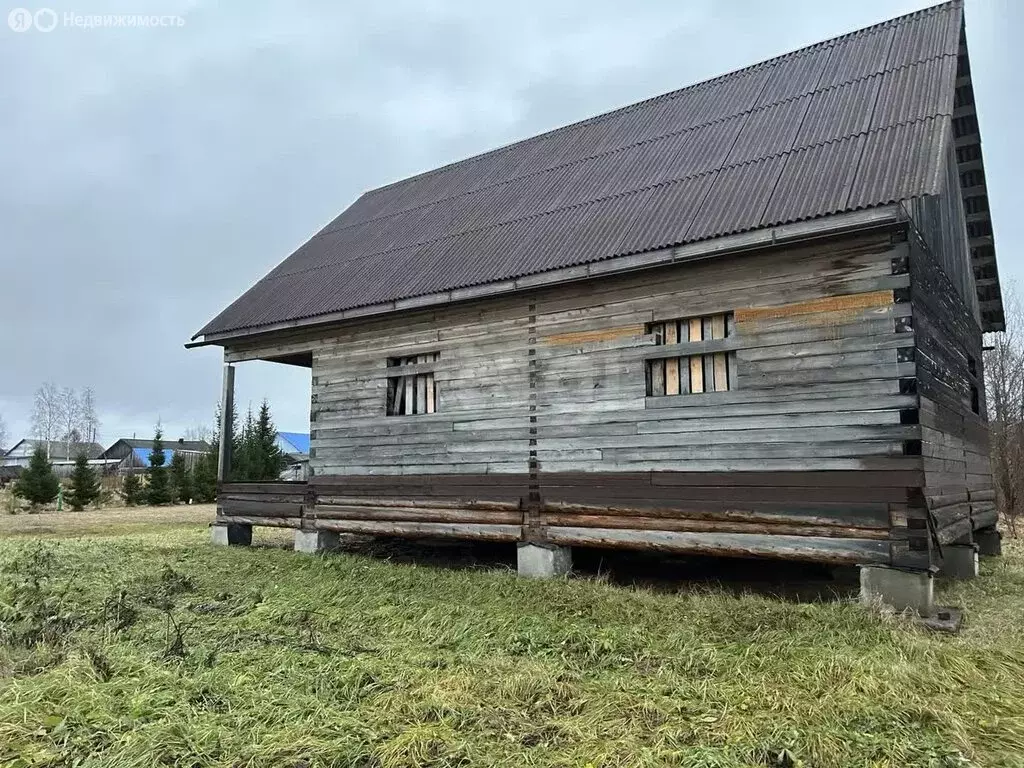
(131, 489)
(85, 485)
(269, 460)
(181, 478)
(204, 475)
(159, 491)
(244, 456)
(38, 484)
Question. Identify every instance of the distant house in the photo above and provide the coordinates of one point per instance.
(132, 455)
(62, 455)
(295, 447)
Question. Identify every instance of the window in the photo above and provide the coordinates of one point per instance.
(411, 386)
(708, 369)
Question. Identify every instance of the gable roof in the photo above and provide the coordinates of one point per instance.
(143, 454)
(188, 446)
(58, 449)
(851, 123)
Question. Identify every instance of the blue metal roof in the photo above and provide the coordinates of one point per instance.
(142, 456)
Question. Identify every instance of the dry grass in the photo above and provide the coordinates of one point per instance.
(160, 649)
(112, 521)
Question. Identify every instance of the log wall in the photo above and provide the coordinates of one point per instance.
(544, 430)
(950, 369)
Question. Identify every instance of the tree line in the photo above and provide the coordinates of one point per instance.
(255, 458)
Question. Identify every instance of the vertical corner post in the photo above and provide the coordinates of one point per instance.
(227, 408)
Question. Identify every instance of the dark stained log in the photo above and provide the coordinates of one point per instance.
(985, 518)
(667, 524)
(418, 530)
(955, 531)
(260, 508)
(269, 522)
(421, 514)
(352, 501)
(820, 515)
(261, 498)
(283, 487)
(826, 550)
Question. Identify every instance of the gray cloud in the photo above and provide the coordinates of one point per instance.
(149, 176)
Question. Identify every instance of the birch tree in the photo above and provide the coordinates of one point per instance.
(46, 414)
(90, 423)
(1004, 385)
(70, 418)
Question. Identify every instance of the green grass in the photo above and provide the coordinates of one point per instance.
(346, 660)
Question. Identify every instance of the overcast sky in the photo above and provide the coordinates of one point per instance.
(149, 176)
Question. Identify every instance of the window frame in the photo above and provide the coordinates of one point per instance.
(703, 364)
(415, 374)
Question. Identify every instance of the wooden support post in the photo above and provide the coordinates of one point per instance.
(227, 408)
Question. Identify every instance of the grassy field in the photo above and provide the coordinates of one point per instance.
(156, 649)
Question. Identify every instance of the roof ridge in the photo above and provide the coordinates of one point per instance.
(897, 21)
(626, 193)
(697, 127)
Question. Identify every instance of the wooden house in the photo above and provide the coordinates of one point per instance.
(130, 455)
(744, 318)
(62, 456)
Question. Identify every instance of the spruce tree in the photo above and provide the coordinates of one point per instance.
(159, 488)
(85, 485)
(245, 453)
(269, 460)
(131, 489)
(204, 474)
(38, 484)
(181, 478)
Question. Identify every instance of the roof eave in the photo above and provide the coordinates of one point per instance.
(825, 226)
(981, 239)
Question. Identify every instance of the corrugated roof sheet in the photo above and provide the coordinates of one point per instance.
(850, 123)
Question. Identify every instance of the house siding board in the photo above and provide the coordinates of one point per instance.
(825, 93)
(955, 444)
(809, 443)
